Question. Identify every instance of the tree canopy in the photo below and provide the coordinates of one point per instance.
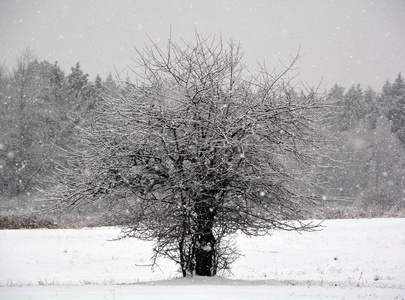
(197, 150)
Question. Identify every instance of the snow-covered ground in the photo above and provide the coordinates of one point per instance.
(348, 259)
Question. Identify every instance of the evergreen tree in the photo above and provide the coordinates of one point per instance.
(394, 98)
(339, 115)
(371, 107)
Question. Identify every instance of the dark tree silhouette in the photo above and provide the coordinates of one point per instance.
(196, 151)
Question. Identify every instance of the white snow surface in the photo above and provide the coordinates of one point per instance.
(347, 259)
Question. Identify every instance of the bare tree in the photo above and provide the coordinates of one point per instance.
(197, 151)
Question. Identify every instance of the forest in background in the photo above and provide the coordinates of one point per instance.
(42, 106)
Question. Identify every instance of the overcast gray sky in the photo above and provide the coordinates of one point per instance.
(342, 41)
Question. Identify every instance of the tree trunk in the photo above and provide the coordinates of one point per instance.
(183, 263)
(205, 255)
(205, 242)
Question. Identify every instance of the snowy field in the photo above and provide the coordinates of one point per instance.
(348, 259)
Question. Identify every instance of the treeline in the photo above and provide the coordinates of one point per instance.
(369, 157)
(41, 107)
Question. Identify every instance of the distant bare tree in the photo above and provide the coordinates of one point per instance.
(197, 151)
(22, 132)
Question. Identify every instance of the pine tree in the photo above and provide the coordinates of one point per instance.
(394, 97)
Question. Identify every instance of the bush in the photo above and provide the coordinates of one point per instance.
(77, 221)
(25, 220)
(30, 212)
(358, 212)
